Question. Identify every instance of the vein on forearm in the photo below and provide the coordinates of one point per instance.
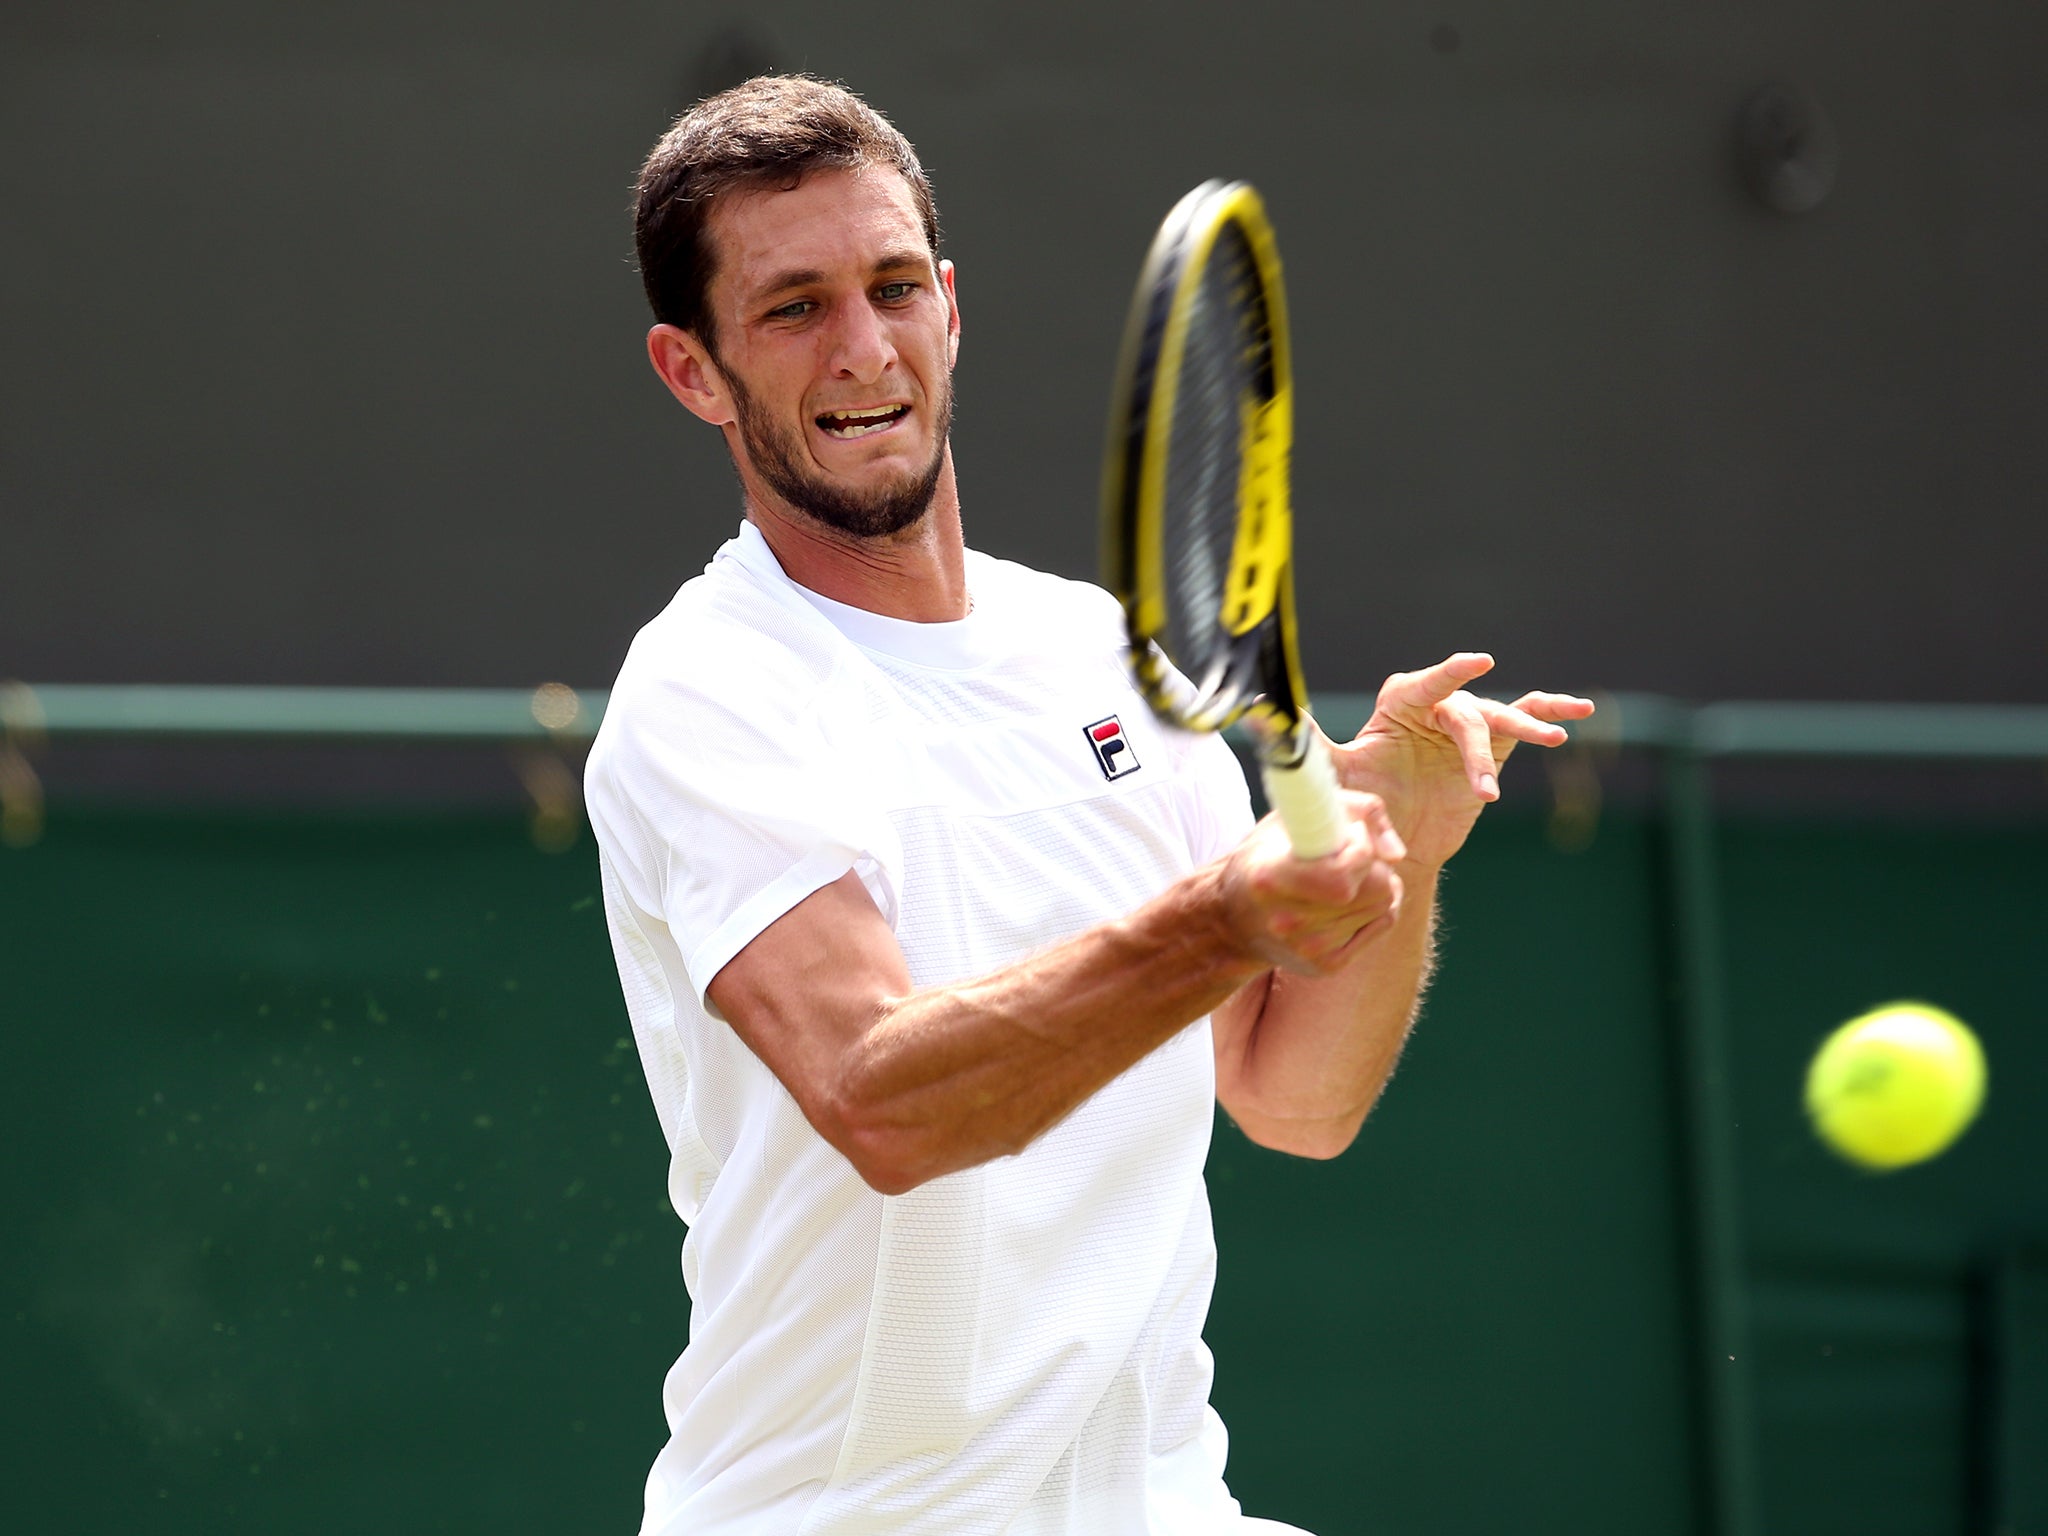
(990, 1064)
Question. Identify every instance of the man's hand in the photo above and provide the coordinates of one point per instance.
(1432, 752)
(1313, 916)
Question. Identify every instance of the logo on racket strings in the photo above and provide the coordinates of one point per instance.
(1113, 754)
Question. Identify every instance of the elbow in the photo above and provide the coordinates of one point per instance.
(1313, 1142)
(890, 1158)
(1322, 1144)
(1319, 1139)
(886, 1175)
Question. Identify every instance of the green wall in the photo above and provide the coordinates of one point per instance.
(348, 1207)
(339, 1203)
(1876, 1357)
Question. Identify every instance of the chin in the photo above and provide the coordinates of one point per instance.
(878, 479)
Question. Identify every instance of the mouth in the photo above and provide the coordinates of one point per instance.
(861, 423)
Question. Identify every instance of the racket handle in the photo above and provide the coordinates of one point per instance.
(1305, 794)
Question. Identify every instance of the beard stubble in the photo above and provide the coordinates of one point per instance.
(873, 514)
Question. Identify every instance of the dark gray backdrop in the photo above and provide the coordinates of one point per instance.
(322, 343)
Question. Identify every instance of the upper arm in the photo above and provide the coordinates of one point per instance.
(807, 988)
(728, 797)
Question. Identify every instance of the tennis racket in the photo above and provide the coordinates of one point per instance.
(1197, 529)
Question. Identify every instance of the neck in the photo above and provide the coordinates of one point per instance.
(919, 574)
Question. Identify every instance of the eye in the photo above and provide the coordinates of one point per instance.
(796, 309)
(896, 292)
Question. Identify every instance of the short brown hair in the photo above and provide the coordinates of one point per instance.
(770, 132)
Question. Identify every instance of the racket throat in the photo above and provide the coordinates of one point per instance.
(1281, 739)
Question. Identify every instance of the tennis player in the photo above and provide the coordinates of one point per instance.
(939, 949)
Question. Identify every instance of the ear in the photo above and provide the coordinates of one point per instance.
(946, 281)
(686, 367)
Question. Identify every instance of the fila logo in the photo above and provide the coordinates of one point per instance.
(1113, 754)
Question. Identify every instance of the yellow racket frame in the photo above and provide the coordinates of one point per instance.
(1258, 594)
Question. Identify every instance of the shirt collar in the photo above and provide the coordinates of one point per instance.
(954, 645)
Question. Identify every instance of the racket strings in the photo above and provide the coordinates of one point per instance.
(1224, 371)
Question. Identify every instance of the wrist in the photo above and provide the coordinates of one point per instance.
(1217, 921)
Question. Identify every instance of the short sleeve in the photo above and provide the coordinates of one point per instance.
(727, 799)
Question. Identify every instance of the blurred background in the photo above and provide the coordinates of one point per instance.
(324, 364)
(1670, 351)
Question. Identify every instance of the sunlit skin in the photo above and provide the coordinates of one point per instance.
(827, 297)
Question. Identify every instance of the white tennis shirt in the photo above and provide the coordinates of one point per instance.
(1014, 1349)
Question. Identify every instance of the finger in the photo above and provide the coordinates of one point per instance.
(1382, 893)
(1554, 706)
(1460, 719)
(1302, 945)
(1519, 724)
(1432, 685)
(1318, 885)
(1318, 896)
(1370, 811)
(1354, 946)
(1320, 943)
(1366, 926)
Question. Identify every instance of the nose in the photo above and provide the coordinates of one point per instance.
(861, 348)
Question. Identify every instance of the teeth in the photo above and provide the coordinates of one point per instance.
(860, 423)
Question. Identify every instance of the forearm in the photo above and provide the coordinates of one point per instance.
(1307, 1062)
(914, 1083)
(949, 1077)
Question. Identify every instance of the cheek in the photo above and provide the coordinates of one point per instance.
(777, 374)
(935, 346)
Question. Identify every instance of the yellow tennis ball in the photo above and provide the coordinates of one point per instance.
(1895, 1086)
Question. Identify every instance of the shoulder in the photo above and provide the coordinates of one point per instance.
(1057, 608)
(731, 665)
(730, 637)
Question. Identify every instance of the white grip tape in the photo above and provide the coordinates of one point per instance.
(1306, 797)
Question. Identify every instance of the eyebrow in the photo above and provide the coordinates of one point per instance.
(803, 277)
(799, 277)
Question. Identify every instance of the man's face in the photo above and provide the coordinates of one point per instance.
(836, 333)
